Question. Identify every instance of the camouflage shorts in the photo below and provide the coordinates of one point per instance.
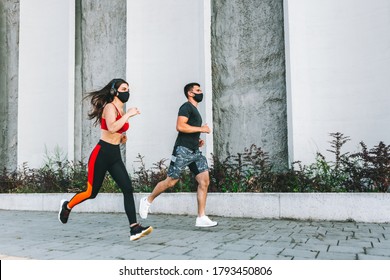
(183, 157)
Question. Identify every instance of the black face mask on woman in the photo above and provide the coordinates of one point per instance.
(123, 96)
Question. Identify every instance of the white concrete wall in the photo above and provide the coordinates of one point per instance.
(168, 45)
(338, 63)
(45, 78)
(338, 69)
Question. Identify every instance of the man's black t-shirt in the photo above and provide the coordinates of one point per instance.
(189, 140)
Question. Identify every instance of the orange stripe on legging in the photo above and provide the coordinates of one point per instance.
(80, 197)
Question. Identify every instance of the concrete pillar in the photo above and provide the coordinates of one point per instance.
(249, 91)
(9, 56)
(100, 57)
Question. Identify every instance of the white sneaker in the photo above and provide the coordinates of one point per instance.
(204, 221)
(144, 206)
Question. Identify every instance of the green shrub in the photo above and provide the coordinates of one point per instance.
(250, 171)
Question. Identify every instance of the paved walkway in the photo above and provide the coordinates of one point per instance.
(98, 236)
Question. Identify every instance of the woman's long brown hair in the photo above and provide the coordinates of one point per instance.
(100, 98)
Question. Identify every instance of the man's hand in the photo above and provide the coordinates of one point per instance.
(205, 129)
(201, 143)
(183, 126)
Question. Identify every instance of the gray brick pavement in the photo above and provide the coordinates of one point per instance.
(102, 236)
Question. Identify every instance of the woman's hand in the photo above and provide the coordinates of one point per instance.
(123, 139)
(133, 112)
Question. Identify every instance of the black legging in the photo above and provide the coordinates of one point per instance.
(107, 157)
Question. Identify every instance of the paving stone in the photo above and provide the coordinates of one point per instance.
(294, 238)
(312, 247)
(307, 254)
(264, 250)
(265, 237)
(382, 244)
(279, 244)
(204, 253)
(271, 257)
(372, 257)
(172, 257)
(234, 247)
(140, 255)
(105, 236)
(233, 255)
(174, 250)
(378, 252)
(355, 242)
(322, 241)
(336, 256)
(346, 249)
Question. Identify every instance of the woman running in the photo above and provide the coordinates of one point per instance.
(107, 109)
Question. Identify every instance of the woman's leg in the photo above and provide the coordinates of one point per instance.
(96, 172)
(97, 167)
(121, 177)
(119, 174)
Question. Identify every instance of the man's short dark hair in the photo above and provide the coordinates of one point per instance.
(189, 87)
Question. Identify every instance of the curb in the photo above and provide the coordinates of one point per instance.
(359, 207)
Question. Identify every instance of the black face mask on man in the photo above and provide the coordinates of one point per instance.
(198, 97)
(123, 96)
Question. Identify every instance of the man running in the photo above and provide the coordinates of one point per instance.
(186, 153)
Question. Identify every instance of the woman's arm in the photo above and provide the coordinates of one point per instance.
(110, 114)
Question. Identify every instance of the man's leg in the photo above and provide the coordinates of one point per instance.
(162, 187)
(203, 180)
(202, 220)
(176, 166)
(145, 202)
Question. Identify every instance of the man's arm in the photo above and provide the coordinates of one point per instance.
(183, 126)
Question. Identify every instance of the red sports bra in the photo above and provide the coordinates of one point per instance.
(124, 128)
